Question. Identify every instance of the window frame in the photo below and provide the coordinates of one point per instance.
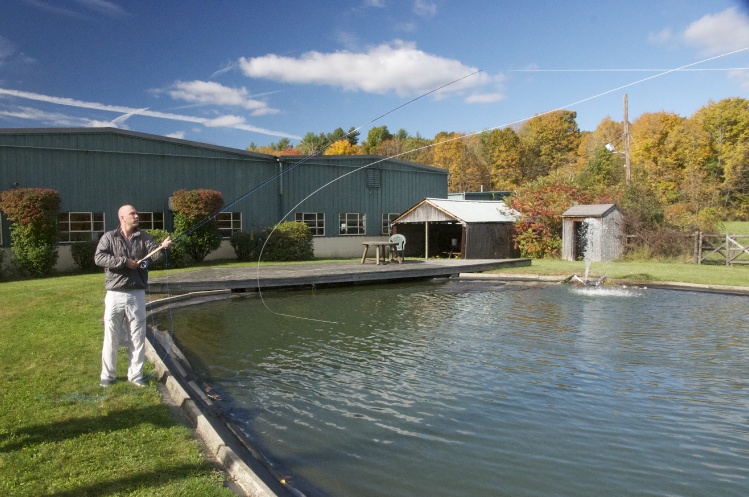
(235, 225)
(360, 223)
(316, 224)
(96, 219)
(387, 219)
(151, 221)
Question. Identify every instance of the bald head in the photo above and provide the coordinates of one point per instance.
(129, 219)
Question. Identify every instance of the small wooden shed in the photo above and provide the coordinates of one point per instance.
(594, 231)
(469, 229)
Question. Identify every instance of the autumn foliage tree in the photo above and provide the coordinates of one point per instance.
(33, 213)
(538, 232)
(194, 221)
(342, 147)
(689, 173)
(552, 140)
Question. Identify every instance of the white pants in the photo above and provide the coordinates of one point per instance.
(124, 320)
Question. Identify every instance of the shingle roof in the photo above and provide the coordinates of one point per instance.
(591, 210)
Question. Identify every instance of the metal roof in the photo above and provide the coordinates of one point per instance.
(591, 210)
(463, 211)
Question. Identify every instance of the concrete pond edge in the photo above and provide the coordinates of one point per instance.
(244, 466)
(247, 471)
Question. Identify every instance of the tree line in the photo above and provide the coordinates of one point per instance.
(687, 173)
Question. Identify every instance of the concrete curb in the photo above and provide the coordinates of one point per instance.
(218, 437)
(669, 285)
(211, 431)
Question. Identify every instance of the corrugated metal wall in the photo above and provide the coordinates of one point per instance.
(100, 169)
(364, 184)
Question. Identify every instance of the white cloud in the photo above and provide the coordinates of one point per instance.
(177, 134)
(405, 27)
(47, 118)
(100, 7)
(226, 121)
(374, 3)
(718, 33)
(211, 93)
(740, 76)
(7, 49)
(661, 37)
(484, 98)
(398, 67)
(109, 9)
(425, 9)
(10, 55)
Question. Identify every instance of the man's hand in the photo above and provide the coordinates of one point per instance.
(166, 243)
(131, 264)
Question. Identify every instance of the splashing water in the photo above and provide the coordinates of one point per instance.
(591, 228)
(603, 291)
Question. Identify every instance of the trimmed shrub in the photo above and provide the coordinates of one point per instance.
(290, 241)
(246, 245)
(33, 213)
(174, 257)
(191, 208)
(83, 256)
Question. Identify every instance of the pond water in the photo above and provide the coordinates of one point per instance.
(453, 388)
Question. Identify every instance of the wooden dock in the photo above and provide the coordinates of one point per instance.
(289, 276)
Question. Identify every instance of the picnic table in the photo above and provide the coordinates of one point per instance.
(381, 249)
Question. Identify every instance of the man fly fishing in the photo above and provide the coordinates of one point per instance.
(123, 253)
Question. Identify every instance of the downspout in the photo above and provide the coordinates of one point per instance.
(281, 211)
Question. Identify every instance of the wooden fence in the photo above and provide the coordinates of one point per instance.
(730, 247)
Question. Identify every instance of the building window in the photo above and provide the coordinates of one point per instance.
(229, 223)
(387, 221)
(80, 226)
(352, 223)
(315, 221)
(151, 220)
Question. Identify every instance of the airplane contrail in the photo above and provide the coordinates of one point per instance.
(234, 122)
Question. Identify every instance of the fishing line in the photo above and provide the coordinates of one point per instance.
(257, 273)
(144, 261)
(313, 155)
(587, 99)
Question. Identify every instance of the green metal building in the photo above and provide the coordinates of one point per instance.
(96, 170)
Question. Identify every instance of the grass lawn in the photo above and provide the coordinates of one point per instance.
(736, 227)
(62, 434)
(704, 274)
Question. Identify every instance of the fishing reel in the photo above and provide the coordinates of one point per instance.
(145, 264)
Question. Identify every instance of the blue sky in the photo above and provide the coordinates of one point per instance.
(232, 73)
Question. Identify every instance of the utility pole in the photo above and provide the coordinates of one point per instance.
(627, 168)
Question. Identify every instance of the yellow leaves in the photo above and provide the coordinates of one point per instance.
(342, 147)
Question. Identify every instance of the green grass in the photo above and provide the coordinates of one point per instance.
(736, 228)
(636, 271)
(60, 433)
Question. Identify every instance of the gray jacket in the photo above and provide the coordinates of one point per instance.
(112, 253)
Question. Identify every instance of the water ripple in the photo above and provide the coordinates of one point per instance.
(488, 389)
